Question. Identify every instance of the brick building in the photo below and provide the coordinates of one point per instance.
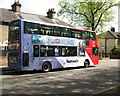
(109, 41)
(14, 13)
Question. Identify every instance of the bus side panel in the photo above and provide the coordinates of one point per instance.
(58, 62)
(64, 62)
(53, 60)
(94, 58)
(26, 51)
(14, 61)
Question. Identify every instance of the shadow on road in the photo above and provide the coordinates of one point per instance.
(114, 91)
(7, 71)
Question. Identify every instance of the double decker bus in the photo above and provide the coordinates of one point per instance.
(42, 46)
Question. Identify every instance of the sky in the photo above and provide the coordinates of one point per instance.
(42, 6)
(32, 6)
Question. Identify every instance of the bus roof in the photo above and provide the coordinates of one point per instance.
(41, 19)
(82, 28)
(49, 24)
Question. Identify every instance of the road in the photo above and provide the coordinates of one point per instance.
(93, 80)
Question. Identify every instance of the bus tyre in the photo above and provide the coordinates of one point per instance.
(86, 63)
(46, 67)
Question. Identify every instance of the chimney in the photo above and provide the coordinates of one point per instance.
(112, 29)
(16, 7)
(51, 13)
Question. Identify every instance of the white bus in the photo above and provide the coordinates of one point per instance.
(40, 46)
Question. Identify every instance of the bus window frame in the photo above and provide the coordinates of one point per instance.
(62, 51)
(56, 31)
(31, 24)
(86, 36)
(38, 51)
(17, 43)
(95, 51)
(46, 28)
(63, 31)
(76, 33)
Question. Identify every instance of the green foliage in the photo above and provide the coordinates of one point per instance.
(115, 53)
(90, 13)
(115, 50)
(102, 35)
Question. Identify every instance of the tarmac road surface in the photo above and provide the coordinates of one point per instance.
(100, 79)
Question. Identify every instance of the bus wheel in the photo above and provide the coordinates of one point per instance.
(46, 67)
(86, 63)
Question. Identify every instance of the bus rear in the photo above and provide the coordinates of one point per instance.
(14, 45)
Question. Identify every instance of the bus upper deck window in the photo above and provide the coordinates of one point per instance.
(64, 32)
(56, 31)
(85, 35)
(72, 35)
(46, 30)
(31, 28)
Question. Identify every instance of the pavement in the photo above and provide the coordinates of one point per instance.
(3, 66)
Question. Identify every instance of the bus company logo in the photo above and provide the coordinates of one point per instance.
(53, 41)
(57, 41)
(72, 61)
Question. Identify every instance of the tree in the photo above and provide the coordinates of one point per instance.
(90, 14)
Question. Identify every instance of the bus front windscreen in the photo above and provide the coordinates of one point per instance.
(13, 37)
(92, 36)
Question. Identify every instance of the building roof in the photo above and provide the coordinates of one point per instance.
(8, 15)
(112, 35)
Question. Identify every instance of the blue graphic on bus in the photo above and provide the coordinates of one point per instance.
(36, 39)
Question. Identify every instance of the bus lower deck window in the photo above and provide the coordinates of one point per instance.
(36, 50)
